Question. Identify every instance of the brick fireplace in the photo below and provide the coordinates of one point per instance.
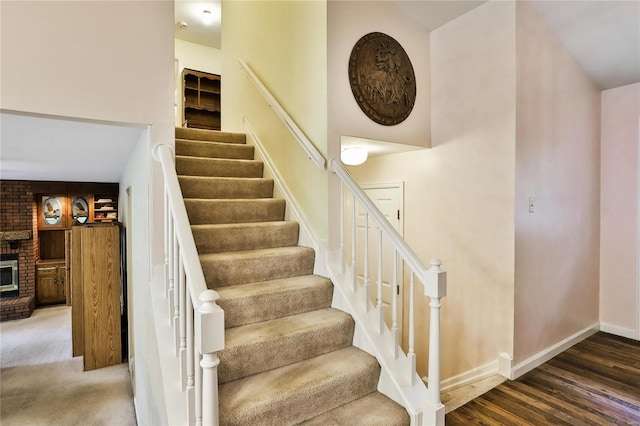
(18, 236)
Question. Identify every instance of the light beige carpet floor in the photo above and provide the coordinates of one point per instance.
(41, 384)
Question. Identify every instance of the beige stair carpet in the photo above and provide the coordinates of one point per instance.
(288, 356)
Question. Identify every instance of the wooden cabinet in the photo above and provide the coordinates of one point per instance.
(105, 208)
(50, 282)
(96, 289)
(201, 99)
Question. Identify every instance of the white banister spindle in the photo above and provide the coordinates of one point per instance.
(182, 332)
(341, 253)
(176, 290)
(211, 318)
(190, 344)
(379, 305)
(395, 331)
(167, 232)
(198, 408)
(412, 326)
(170, 292)
(354, 267)
(365, 285)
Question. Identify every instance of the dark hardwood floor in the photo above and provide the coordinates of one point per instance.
(596, 382)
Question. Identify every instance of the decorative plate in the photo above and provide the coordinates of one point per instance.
(382, 79)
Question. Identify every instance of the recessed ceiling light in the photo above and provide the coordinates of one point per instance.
(207, 17)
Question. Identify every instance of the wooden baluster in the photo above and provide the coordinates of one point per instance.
(210, 339)
(175, 315)
(341, 253)
(167, 232)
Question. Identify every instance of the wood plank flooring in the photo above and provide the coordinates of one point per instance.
(596, 382)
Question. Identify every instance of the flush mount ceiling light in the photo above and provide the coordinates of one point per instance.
(207, 17)
(354, 156)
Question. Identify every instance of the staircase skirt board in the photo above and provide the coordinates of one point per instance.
(289, 356)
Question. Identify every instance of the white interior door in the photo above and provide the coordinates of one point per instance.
(389, 198)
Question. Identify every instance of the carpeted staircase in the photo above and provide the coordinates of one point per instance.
(289, 357)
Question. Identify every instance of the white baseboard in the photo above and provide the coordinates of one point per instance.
(471, 376)
(619, 331)
(545, 355)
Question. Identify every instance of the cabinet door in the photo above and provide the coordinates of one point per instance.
(47, 285)
(101, 294)
(52, 212)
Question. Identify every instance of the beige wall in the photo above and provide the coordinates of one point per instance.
(347, 22)
(108, 61)
(459, 193)
(619, 285)
(558, 164)
(285, 44)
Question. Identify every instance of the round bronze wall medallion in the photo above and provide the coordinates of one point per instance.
(382, 79)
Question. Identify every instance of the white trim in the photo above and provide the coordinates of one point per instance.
(545, 355)
(505, 363)
(293, 211)
(468, 377)
(629, 333)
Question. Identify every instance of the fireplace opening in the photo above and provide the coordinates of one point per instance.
(9, 286)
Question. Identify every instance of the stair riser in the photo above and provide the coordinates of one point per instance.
(243, 361)
(220, 273)
(214, 150)
(249, 310)
(231, 211)
(207, 135)
(213, 167)
(246, 238)
(213, 188)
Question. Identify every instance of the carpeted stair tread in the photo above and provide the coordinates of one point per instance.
(218, 167)
(211, 211)
(230, 268)
(296, 392)
(210, 135)
(208, 149)
(263, 346)
(374, 409)
(225, 187)
(266, 300)
(218, 238)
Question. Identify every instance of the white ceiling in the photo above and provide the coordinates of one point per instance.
(59, 149)
(190, 12)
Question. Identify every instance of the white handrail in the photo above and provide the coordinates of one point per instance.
(192, 267)
(303, 140)
(197, 320)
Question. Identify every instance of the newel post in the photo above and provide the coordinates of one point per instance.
(209, 340)
(435, 288)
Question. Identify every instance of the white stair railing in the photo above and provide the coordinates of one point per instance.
(433, 279)
(197, 321)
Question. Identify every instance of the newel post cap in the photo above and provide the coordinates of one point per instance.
(209, 323)
(436, 281)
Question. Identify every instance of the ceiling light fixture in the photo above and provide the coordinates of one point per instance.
(354, 156)
(207, 17)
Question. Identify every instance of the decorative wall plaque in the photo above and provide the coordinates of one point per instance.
(382, 79)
